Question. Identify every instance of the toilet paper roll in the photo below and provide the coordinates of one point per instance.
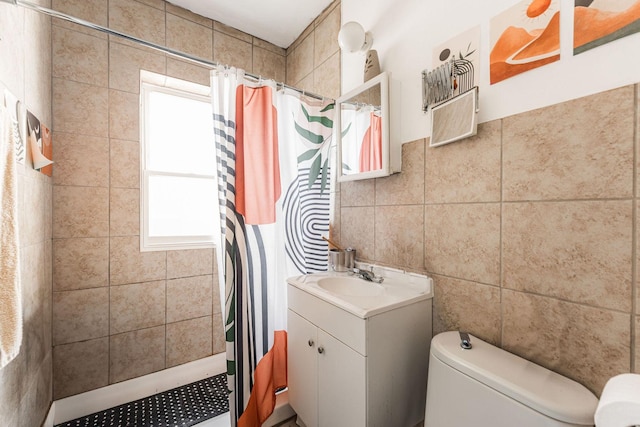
(619, 404)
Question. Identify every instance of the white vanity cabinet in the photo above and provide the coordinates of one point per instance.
(328, 377)
(346, 370)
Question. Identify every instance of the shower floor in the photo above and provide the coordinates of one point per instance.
(183, 406)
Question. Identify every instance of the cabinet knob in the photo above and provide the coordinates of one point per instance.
(311, 343)
(320, 350)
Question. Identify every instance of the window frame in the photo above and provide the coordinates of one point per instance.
(151, 82)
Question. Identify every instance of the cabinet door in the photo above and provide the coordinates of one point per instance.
(303, 368)
(341, 384)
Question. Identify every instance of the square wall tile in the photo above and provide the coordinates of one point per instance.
(188, 340)
(459, 305)
(81, 160)
(269, 46)
(637, 347)
(129, 265)
(32, 279)
(586, 344)
(188, 71)
(136, 353)
(326, 81)
(80, 57)
(232, 51)
(358, 193)
(269, 64)
(80, 263)
(300, 61)
(637, 248)
(308, 83)
(467, 170)
(303, 36)
(124, 115)
(357, 229)
(230, 31)
(125, 164)
(326, 37)
(579, 149)
(125, 63)
(11, 385)
(137, 306)
(463, 241)
(80, 367)
(576, 251)
(95, 11)
(637, 141)
(35, 404)
(80, 315)
(399, 236)
(186, 263)
(38, 62)
(219, 343)
(218, 306)
(139, 20)
(334, 222)
(80, 211)
(187, 36)
(47, 205)
(80, 108)
(125, 212)
(32, 215)
(189, 298)
(406, 187)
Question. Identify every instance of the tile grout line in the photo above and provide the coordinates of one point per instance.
(501, 234)
(109, 204)
(51, 391)
(634, 240)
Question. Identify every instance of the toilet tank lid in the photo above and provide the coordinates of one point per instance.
(532, 385)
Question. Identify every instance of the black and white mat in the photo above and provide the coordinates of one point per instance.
(180, 407)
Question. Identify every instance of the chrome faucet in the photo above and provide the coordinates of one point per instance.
(369, 276)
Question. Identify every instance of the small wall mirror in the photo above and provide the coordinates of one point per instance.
(363, 131)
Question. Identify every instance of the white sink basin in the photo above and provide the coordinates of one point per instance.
(350, 286)
(363, 298)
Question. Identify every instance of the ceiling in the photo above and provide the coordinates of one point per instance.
(277, 21)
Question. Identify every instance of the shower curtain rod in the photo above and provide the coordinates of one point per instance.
(165, 49)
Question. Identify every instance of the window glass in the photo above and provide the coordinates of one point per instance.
(179, 205)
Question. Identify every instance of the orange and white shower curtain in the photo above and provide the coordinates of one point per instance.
(273, 176)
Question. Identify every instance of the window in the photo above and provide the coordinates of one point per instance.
(179, 205)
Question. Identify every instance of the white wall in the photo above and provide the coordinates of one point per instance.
(405, 32)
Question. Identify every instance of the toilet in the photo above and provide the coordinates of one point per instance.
(484, 386)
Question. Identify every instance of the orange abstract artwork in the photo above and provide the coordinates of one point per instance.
(524, 37)
(597, 22)
(47, 149)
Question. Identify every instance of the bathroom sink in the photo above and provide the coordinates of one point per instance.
(361, 297)
(350, 286)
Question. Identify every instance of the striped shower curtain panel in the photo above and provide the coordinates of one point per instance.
(273, 181)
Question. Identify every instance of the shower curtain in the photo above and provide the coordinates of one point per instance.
(273, 181)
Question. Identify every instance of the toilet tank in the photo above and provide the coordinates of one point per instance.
(488, 387)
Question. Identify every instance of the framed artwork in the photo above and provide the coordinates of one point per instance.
(40, 147)
(464, 51)
(597, 22)
(47, 148)
(524, 37)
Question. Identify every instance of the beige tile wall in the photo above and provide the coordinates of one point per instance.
(528, 230)
(313, 60)
(119, 313)
(25, 69)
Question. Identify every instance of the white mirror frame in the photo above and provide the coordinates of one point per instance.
(383, 80)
